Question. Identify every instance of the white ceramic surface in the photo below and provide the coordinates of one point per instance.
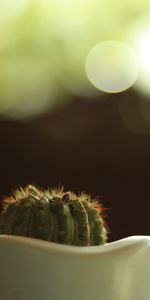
(31, 269)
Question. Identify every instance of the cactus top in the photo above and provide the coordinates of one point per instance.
(53, 215)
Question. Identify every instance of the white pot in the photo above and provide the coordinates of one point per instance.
(32, 269)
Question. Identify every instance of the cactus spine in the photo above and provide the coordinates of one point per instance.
(54, 216)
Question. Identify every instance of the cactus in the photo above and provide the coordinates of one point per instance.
(53, 215)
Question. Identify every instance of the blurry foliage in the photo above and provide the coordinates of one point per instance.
(44, 44)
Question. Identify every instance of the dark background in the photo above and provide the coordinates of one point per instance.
(84, 146)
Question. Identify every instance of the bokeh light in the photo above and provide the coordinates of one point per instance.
(132, 114)
(112, 66)
(144, 107)
(139, 36)
(46, 42)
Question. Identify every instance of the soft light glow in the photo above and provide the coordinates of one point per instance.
(143, 46)
(112, 66)
(57, 35)
(139, 36)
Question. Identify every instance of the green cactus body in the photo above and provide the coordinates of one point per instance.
(53, 216)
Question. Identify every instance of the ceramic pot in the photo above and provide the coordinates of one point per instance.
(32, 269)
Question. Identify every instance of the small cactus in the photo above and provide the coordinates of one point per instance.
(53, 215)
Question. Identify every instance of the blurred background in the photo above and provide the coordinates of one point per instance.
(75, 103)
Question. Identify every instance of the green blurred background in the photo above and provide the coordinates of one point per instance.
(56, 128)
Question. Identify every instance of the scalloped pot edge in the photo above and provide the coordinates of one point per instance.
(33, 269)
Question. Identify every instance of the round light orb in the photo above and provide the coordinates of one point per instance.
(112, 66)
